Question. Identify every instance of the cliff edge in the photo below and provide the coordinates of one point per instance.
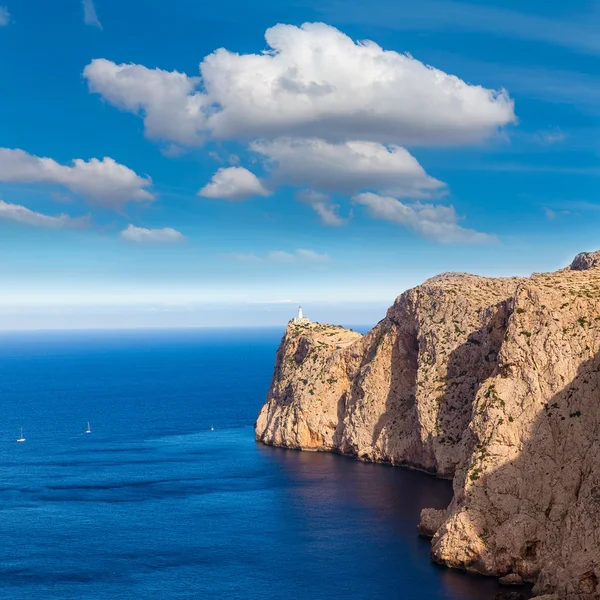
(493, 382)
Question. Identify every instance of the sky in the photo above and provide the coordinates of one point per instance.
(183, 164)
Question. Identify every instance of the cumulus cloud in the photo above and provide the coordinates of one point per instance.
(317, 81)
(233, 183)
(25, 216)
(171, 107)
(322, 110)
(141, 235)
(104, 182)
(302, 255)
(313, 81)
(322, 205)
(90, 17)
(434, 222)
(348, 167)
(4, 16)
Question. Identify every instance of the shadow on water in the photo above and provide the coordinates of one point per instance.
(379, 507)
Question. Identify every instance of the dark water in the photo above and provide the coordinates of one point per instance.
(154, 505)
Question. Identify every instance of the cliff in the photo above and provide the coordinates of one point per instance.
(494, 382)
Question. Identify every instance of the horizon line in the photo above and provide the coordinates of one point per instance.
(166, 328)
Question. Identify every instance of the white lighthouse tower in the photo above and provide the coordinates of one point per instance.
(300, 319)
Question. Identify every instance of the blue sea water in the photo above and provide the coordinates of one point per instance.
(154, 505)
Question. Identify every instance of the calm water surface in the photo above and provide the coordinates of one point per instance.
(155, 505)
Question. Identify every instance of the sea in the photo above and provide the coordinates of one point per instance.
(170, 497)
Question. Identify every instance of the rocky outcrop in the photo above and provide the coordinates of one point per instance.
(511, 579)
(403, 393)
(494, 382)
(431, 521)
(585, 261)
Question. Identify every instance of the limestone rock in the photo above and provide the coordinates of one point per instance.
(403, 393)
(585, 261)
(494, 382)
(511, 579)
(431, 520)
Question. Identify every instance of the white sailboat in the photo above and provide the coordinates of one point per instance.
(212, 428)
(88, 430)
(21, 439)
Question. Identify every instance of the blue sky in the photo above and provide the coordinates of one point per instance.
(322, 172)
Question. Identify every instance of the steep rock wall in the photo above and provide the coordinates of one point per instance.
(493, 381)
(527, 498)
(403, 393)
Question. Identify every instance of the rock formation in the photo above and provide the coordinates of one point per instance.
(494, 382)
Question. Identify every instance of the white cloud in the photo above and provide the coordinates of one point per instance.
(233, 183)
(302, 255)
(4, 16)
(141, 235)
(90, 17)
(104, 182)
(314, 81)
(324, 111)
(348, 167)
(322, 205)
(434, 222)
(169, 102)
(25, 216)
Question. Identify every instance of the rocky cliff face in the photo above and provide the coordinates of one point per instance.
(495, 382)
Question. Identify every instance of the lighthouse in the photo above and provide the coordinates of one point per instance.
(300, 319)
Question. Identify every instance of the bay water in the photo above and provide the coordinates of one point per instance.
(170, 497)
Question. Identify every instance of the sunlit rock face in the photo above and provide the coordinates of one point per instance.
(495, 382)
(585, 261)
(403, 393)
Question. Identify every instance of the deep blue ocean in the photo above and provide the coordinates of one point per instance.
(154, 505)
